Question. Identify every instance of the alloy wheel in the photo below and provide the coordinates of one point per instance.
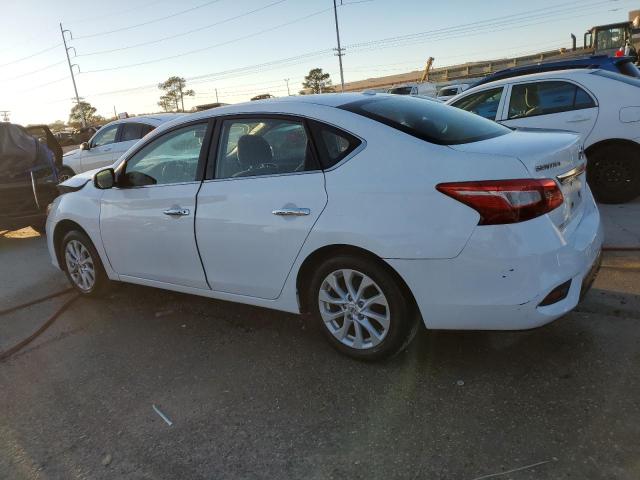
(80, 265)
(354, 309)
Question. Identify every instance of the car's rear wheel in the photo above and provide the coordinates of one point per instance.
(364, 310)
(82, 264)
(613, 174)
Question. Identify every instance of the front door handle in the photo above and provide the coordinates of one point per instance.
(292, 212)
(177, 212)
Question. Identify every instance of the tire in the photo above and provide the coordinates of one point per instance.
(93, 280)
(65, 174)
(384, 330)
(613, 174)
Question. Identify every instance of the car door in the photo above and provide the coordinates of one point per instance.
(262, 196)
(147, 220)
(551, 104)
(100, 152)
(486, 103)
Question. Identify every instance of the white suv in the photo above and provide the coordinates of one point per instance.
(110, 142)
(602, 106)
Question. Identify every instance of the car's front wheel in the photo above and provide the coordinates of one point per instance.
(363, 309)
(82, 264)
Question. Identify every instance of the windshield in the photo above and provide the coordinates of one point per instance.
(628, 68)
(400, 90)
(616, 76)
(430, 121)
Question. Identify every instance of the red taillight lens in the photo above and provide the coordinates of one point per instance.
(506, 201)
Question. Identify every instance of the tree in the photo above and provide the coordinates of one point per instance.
(57, 126)
(80, 111)
(174, 89)
(316, 82)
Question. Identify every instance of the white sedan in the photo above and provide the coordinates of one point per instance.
(372, 212)
(602, 107)
(110, 142)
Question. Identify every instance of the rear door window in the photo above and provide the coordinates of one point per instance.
(543, 98)
(134, 131)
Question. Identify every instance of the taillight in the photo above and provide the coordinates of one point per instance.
(506, 201)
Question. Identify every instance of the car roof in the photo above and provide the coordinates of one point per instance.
(559, 74)
(592, 61)
(154, 119)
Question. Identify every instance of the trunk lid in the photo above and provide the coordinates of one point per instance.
(545, 154)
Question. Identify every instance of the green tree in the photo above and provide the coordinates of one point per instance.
(175, 90)
(316, 82)
(57, 126)
(80, 111)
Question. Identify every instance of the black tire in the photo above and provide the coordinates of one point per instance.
(40, 227)
(65, 174)
(101, 282)
(613, 173)
(404, 319)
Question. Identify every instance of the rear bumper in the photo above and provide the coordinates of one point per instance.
(504, 272)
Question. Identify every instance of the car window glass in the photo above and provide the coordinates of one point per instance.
(171, 158)
(483, 103)
(542, 98)
(333, 144)
(447, 92)
(430, 121)
(105, 136)
(258, 147)
(131, 131)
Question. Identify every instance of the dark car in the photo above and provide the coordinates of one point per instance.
(623, 65)
(64, 138)
(83, 134)
(28, 175)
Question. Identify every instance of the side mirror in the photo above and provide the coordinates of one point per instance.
(84, 146)
(104, 179)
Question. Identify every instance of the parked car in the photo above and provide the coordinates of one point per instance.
(28, 177)
(600, 105)
(111, 141)
(64, 138)
(422, 89)
(369, 211)
(450, 91)
(623, 65)
(83, 134)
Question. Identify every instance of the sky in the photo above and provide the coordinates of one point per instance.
(124, 48)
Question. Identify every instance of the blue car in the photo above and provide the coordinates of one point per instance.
(623, 65)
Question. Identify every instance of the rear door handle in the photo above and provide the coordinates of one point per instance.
(177, 212)
(292, 212)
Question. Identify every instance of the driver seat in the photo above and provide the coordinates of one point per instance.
(254, 156)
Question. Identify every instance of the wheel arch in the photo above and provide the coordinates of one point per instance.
(611, 142)
(62, 228)
(317, 256)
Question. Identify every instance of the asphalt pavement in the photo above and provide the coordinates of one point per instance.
(254, 394)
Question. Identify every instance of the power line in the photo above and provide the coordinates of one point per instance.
(149, 22)
(32, 55)
(151, 42)
(209, 47)
(118, 13)
(32, 72)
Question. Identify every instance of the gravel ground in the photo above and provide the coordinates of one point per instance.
(254, 393)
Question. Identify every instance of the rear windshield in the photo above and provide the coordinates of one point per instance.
(629, 69)
(430, 121)
(616, 76)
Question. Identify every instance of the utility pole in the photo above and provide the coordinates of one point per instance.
(339, 49)
(216, 95)
(181, 97)
(288, 91)
(115, 114)
(5, 115)
(73, 79)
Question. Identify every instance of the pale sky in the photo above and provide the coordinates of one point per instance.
(247, 47)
